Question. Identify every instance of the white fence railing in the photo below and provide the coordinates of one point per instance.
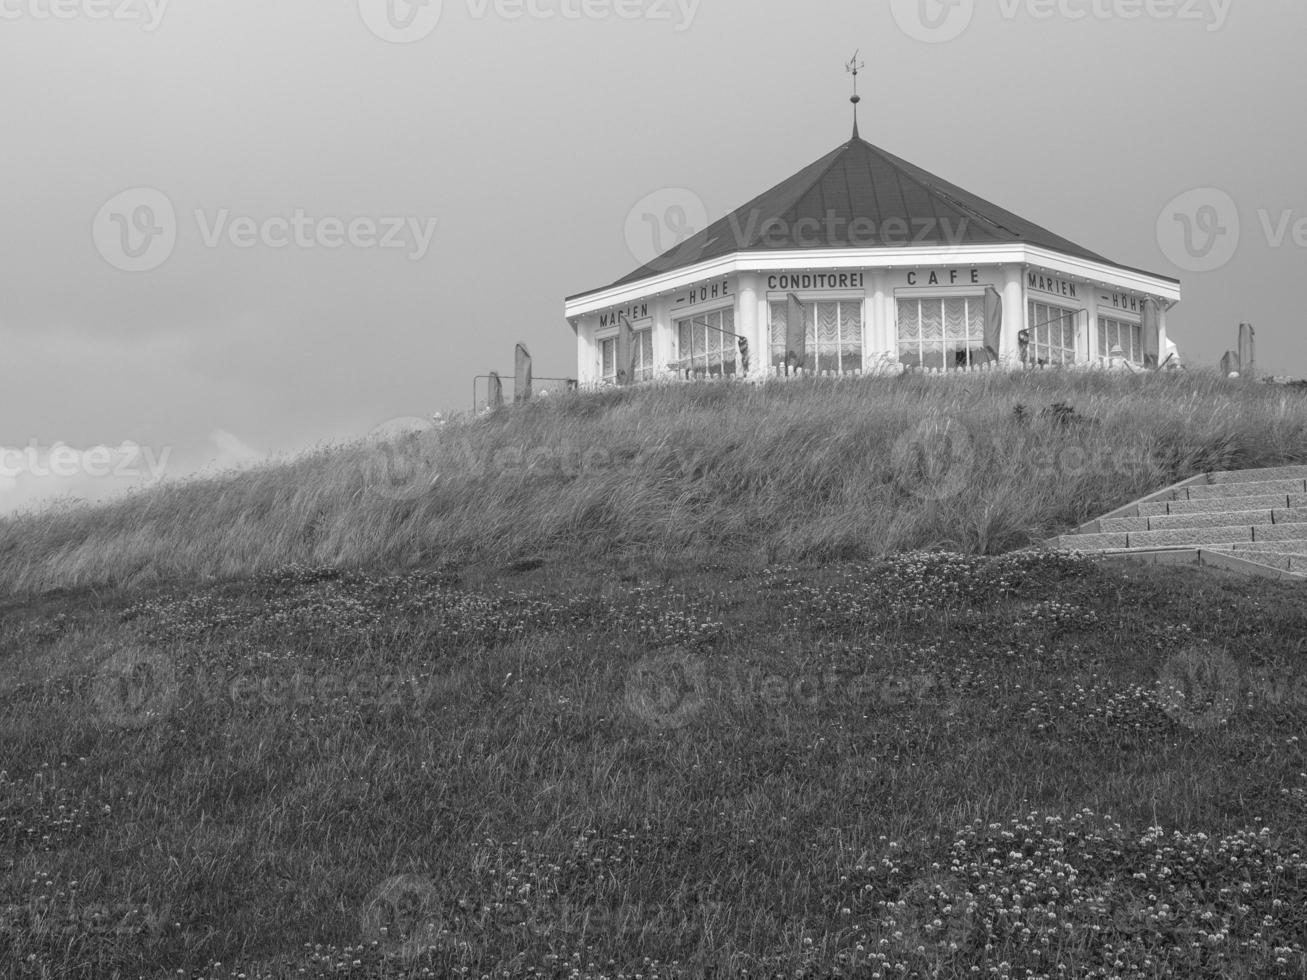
(883, 368)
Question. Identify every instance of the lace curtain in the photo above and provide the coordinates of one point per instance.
(1129, 336)
(941, 332)
(705, 343)
(833, 335)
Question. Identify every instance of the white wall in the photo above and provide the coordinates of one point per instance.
(750, 294)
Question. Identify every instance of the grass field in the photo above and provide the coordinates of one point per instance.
(545, 746)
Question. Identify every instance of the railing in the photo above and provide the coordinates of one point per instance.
(541, 387)
(770, 374)
(895, 369)
(882, 366)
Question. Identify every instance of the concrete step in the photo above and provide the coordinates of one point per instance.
(1188, 536)
(1280, 532)
(1274, 559)
(1283, 562)
(1252, 502)
(1170, 522)
(1298, 547)
(1184, 537)
(1262, 475)
(1253, 522)
(1117, 525)
(1093, 542)
(1221, 491)
(1265, 564)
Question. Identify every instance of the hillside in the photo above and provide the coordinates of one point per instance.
(667, 717)
(802, 471)
(922, 768)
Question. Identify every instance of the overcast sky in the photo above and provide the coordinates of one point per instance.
(375, 200)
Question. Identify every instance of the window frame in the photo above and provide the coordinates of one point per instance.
(1035, 322)
(685, 365)
(643, 372)
(776, 351)
(968, 294)
(1136, 327)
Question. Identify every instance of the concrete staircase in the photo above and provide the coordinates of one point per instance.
(1252, 521)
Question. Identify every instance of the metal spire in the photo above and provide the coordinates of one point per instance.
(855, 66)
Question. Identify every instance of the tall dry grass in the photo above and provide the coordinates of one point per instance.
(802, 470)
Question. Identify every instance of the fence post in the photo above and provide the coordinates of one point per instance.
(1247, 352)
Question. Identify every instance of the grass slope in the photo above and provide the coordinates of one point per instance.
(698, 735)
(934, 766)
(802, 471)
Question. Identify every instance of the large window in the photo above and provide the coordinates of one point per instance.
(1119, 333)
(944, 332)
(706, 345)
(833, 331)
(1052, 335)
(644, 366)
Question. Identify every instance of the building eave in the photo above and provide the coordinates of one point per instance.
(1005, 253)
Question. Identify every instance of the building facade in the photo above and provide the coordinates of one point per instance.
(889, 268)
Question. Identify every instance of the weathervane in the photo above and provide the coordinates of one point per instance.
(855, 66)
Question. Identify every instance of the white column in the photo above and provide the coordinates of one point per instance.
(585, 351)
(1091, 305)
(663, 336)
(746, 320)
(1161, 330)
(880, 310)
(1014, 313)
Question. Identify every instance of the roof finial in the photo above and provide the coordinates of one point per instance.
(855, 66)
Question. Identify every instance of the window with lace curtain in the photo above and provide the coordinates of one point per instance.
(644, 366)
(834, 335)
(942, 332)
(706, 346)
(1052, 334)
(1120, 333)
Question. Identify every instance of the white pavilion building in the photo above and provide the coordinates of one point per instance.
(889, 268)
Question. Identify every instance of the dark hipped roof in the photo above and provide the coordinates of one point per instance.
(860, 181)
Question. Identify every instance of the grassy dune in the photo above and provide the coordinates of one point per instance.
(654, 709)
(799, 471)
